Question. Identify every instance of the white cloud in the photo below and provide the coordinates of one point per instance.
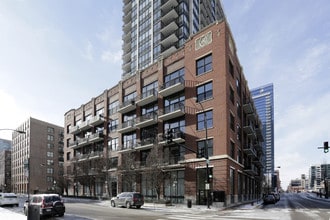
(10, 114)
(111, 57)
(88, 51)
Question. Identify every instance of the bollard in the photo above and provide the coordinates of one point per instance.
(189, 203)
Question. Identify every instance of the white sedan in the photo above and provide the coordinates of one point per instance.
(8, 199)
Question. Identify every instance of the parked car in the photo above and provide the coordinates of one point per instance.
(269, 199)
(49, 204)
(277, 196)
(8, 199)
(128, 200)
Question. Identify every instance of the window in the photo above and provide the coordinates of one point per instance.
(50, 170)
(150, 89)
(113, 125)
(68, 156)
(231, 68)
(232, 149)
(239, 110)
(231, 95)
(50, 137)
(204, 65)
(205, 118)
(68, 129)
(50, 130)
(50, 145)
(173, 103)
(201, 146)
(129, 97)
(99, 111)
(204, 92)
(113, 162)
(50, 154)
(232, 122)
(149, 110)
(144, 155)
(174, 78)
(50, 162)
(129, 140)
(113, 144)
(113, 107)
(239, 133)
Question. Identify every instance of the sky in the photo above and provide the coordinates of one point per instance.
(57, 55)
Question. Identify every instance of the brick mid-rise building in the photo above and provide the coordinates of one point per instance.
(40, 148)
(115, 142)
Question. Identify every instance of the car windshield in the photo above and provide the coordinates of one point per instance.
(52, 199)
(138, 196)
(10, 196)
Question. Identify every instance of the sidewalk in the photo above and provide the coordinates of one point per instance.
(7, 214)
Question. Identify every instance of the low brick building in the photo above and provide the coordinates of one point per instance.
(190, 110)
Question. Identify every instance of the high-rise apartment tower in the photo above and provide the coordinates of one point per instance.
(155, 28)
(263, 98)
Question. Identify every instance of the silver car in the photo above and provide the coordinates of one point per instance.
(128, 200)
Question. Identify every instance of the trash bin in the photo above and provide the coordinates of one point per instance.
(189, 203)
(33, 212)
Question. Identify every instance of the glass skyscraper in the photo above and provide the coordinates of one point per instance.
(155, 28)
(263, 98)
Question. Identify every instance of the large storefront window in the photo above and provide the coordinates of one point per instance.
(174, 187)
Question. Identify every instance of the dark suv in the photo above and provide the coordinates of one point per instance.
(128, 199)
(49, 204)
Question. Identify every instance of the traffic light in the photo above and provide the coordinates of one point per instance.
(169, 136)
(326, 146)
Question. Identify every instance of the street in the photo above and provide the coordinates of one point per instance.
(292, 206)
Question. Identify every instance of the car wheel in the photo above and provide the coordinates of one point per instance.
(138, 206)
(113, 204)
(128, 205)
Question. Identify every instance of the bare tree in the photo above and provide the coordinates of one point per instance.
(153, 171)
(129, 170)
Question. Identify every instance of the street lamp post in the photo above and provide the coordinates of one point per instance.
(206, 155)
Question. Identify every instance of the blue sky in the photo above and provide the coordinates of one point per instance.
(53, 49)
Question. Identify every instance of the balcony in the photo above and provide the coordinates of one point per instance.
(172, 86)
(147, 97)
(172, 111)
(126, 126)
(169, 51)
(248, 129)
(258, 162)
(96, 120)
(85, 125)
(169, 4)
(146, 143)
(89, 139)
(178, 136)
(171, 27)
(248, 107)
(167, 41)
(258, 146)
(128, 146)
(146, 120)
(251, 169)
(127, 106)
(250, 151)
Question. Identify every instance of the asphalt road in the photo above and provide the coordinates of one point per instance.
(297, 206)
